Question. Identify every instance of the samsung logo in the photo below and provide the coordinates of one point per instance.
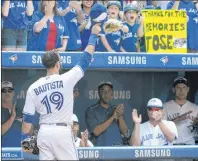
(122, 94)
(133, 60)
(147, 153)
(190, 60)
(88, 154)
(37, 59)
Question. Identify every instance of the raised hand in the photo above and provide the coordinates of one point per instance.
(185, 116)
(84, 138)
(137, 119)
(115, 116)
(120, 110)
(96, 29)
(157, 115)
(13, 111)
(76, 5)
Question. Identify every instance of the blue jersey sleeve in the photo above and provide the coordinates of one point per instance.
(66, 31)
(170, 5)
(37, 16)
(36, 5)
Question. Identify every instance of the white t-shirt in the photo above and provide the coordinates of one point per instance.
(153, 136)
(173, 110)
(77, 143)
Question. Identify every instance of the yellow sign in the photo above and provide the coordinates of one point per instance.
(165, 31)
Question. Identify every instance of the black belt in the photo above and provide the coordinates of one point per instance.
(57, 124)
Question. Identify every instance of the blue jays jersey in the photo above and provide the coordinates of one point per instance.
(38, 41)
(113, 39)
(52, 97)
(36, 5)
(17, 17)
(191, 10)
(74, 42)
(129, 39)
(62, 4)
(85, 34)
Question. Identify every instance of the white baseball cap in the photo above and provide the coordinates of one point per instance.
(6, 84)
(74, 118)
(154, 102)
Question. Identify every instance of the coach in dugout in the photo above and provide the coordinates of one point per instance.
(11, 128)
(105, 122)
(156, 131)
(181, 112)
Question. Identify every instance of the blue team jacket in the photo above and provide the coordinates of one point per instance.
(38, 41)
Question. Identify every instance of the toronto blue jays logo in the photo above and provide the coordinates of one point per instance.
(14, 58)
(164, 60)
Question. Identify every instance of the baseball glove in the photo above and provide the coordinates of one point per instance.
(112, 25)
(30, 145)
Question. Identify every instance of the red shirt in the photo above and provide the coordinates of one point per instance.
(51, 41)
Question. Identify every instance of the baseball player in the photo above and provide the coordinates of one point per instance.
(52, 97)
(156, 131)
(181, 111)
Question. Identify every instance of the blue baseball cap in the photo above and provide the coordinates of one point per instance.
(117, 3)
(130, 8)
(98, 14)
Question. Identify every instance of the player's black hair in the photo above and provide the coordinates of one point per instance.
(50, 58)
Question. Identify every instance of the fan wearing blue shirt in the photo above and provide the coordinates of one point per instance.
(111, 41)
(129, 41)
(85, 32)
(15, 24)
(73, 16)
(49, 29)
(191, 11)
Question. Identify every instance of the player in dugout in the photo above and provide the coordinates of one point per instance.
(156, 131)
(105, 121)
(182, 112)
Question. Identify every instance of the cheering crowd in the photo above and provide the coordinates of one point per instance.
(64, 25)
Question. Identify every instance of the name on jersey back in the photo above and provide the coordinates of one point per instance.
(48, 86)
